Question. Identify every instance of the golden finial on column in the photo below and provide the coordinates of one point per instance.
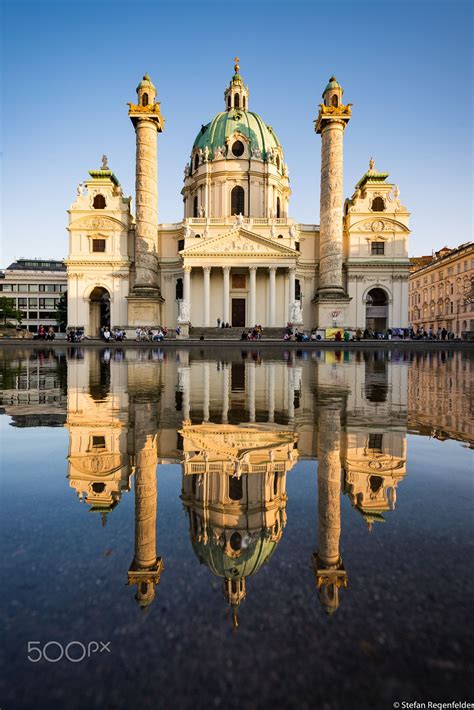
(236, 65)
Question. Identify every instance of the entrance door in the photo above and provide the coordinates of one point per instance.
(238, 312)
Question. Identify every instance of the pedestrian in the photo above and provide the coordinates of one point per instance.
(218, 322)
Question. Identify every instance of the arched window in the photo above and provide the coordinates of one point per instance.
(278, 209)
(228, 101)
(275, 484)
(235, 488)
(145, 100)
(244, 103)
(236, 541)
(179, 289)
(99, 202)
(195, 206)
(278, 162)
(335, 101)
(237, 200)
(236, 101)
(378, 205)
(196, 161)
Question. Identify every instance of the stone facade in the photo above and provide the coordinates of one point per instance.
(237, 255)
(441, 291)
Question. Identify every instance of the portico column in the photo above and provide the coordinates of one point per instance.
(187, 284)
(271, 391)
(271, 309)
(253, 296)
(291, 289)
(207, 294)
(226, 294)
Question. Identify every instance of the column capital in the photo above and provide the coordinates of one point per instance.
(226, 269)
(252, 268)
(272, 268)
(187, 269)
(292, 269)
(206, 268)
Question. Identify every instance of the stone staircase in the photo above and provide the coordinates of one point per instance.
(233, 333)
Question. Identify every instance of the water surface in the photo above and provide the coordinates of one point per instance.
(288, 529)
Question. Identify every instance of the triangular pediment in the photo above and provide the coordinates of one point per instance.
(239, 242)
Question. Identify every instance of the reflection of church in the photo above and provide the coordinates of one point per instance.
(237, 255)
(237, 427)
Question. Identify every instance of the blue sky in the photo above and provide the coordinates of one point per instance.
(70, 67)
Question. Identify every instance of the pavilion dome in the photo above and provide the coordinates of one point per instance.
(252, 126)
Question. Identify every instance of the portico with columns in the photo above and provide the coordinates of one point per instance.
(242, 279)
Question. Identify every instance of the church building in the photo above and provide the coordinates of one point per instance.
(237, 255)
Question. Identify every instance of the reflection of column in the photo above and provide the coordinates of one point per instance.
(185, 372)
(271, 391)
(146, 568)
(291, 394)
(226, 294)
(327, 563)
(225, 394)
(207, 294)
(272, 292)
(291, 289)
(251, 390)
(205, 399)
(253, 296)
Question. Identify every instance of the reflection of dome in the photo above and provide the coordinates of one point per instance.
(249, 560)
(225, 124)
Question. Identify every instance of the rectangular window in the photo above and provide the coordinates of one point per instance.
(377, 248)
(180, 244)
(50, 288)
(33, 288)
(33, 314)
(98, 442)
(47, 315)
(98, 245)
(63, 288)
(239, 281)
(22, 302)
(465, 266)
(375, 442)
(47, 303)
(33, 302)
(8, 287)
(42, 287)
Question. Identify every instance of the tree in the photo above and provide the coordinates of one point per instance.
(8, 310)
(61, 312)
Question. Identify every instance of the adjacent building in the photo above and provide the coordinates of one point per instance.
(441, 290)
(35, 287)
(237, 254)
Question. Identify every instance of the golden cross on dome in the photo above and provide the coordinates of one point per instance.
(236, 65)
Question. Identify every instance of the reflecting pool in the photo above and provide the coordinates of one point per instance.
(257, 528)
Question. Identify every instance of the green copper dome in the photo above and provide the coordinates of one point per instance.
(333, 84)
(249, 124)
(247, 563)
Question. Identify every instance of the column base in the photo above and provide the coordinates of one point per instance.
(327, 304)
(144, 309)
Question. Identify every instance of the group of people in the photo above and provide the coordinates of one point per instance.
(44, 334)
(74, 335)
(151, 334)
(254, 333)
(117, 334)
(440, 334)
(222, 324)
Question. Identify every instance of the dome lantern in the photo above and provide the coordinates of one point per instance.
(332, 94)
(236, 95)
